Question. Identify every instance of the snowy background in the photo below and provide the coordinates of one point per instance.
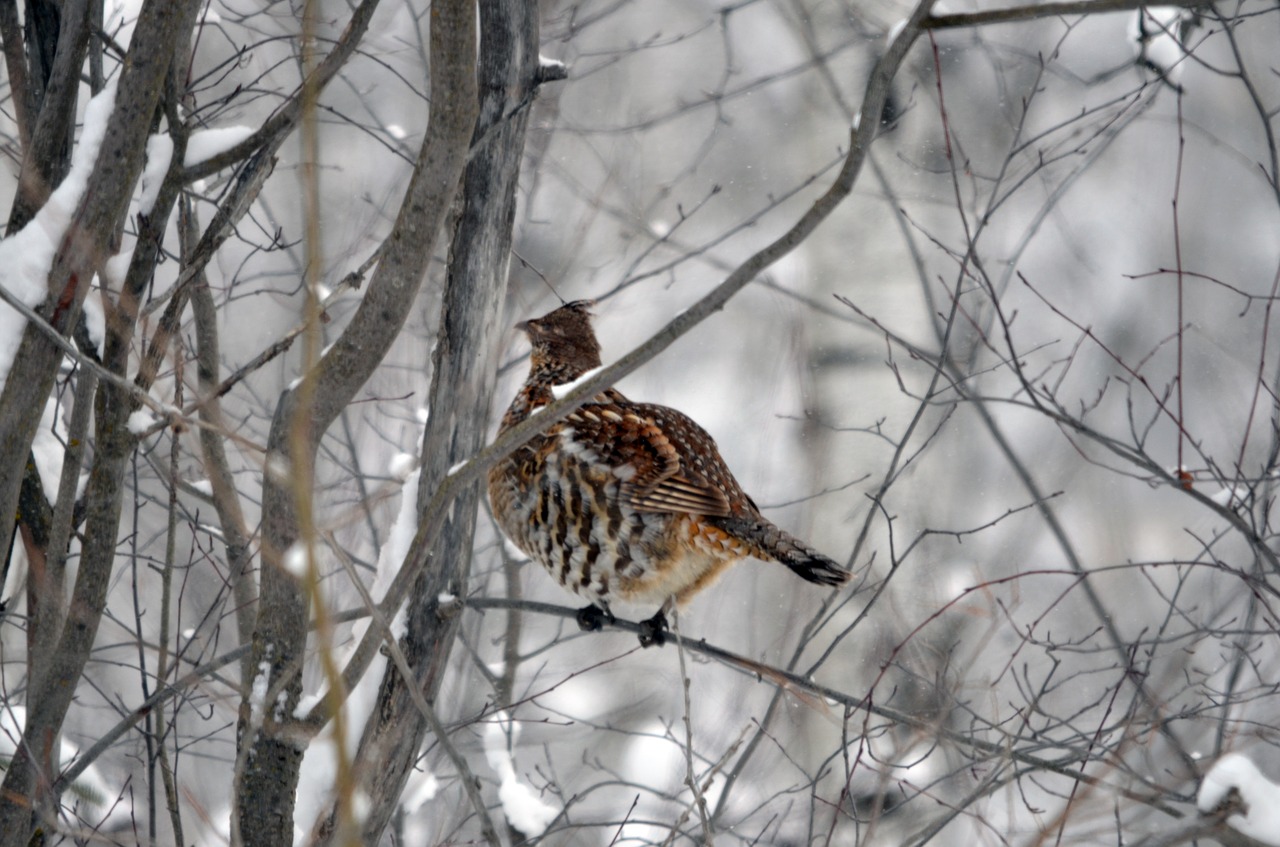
(1017, 578)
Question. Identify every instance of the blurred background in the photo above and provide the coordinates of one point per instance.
(977, 384)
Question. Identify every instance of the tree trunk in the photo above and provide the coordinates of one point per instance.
(272, 754)
(461, 390)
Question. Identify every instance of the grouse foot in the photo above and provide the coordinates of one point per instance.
(593, 618)
(653, 632)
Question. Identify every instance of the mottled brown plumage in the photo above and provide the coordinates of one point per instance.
(626, 501)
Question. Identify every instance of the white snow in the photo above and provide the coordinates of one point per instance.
(895, 31)
(423, 414)
(559, 391)
(512, 550)
(457, 467)
(204, 486)
(159, 154)
(360, 805)
(296, 559)
(857, 121)
(444, 598)
(401, 465)
(1230, 494)
(420, 787)
(141, 421)
(548, 62)
(319, 764)
(306, 703)
(119, 18)
(27, 255)
(95, 321)
(396, 131)
(524, 809)
(116, 269)
(1261, 797)
(1154, 31)
(204, 144)
(959, 582)
(258, 693)
(47, 449)
(278, 467)
(210, 530)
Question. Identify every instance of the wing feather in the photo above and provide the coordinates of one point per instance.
(660, 455)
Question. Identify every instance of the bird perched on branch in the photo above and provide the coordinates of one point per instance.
(626, 501)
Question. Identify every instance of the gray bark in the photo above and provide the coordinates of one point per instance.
(26, 784)
(273, 755)
(226, 500)
(56, 42)
(47, 96)
(461, 389)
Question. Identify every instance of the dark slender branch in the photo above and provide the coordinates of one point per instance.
(1068, 766)
(197, 676)
(15, 62)
(1015, 14)
(278, 127)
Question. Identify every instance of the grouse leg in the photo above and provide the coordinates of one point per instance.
(593, 618)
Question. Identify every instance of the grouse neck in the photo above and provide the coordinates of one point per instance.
(532, 396)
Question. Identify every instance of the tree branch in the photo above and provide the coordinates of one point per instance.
(1015, 14)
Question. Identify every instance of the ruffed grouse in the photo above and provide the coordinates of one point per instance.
(626, 501)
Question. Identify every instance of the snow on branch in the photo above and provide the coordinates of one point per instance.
(1158, 34)
(550, 70)
(524, 809)
(27, 255)
(204, 144)
(1259, 817)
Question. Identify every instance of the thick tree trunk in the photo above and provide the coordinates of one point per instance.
(272, 754)
(461, 389)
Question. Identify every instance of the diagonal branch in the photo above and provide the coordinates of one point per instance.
(862, 134)
(1041, 10)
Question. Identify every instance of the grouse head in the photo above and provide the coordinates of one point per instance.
(564, 345)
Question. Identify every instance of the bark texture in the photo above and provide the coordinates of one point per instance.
(272, 755)
(461, 389)
(27, 781)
